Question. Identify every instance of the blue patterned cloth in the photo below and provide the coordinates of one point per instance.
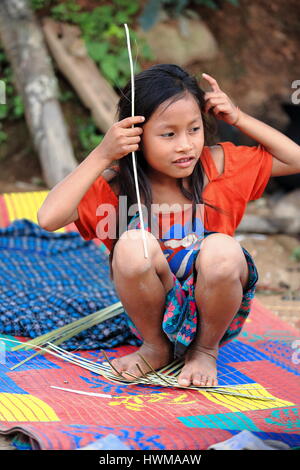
(48, 280)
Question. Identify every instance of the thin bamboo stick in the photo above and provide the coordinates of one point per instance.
(82, 392)
(133, 153)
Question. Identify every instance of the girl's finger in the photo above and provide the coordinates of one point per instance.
(213, 83)
(131, 131)
(216, 100)
(133, 140)
(131, 148)
(213, 102)
(129, 121)
(217, 109)
(220, 109)
(214, 94)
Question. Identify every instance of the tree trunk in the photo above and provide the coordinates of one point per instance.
(36, 83)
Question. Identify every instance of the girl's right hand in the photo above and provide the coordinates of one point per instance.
(121, 138)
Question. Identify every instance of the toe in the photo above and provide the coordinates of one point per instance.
(203, 381)
(117, 366)
(184, 380)
(209, 381)
(215, 381)
(197, 380)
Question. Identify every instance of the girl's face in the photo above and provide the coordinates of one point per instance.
(174, 131)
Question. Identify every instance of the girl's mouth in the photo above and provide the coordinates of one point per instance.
(184, 162)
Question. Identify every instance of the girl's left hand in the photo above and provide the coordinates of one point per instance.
(222, 107)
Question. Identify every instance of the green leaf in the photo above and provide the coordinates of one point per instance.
(3, 137)
(114, 31)
(66, 11)
(38, 4)
(122, 17)
(147, 52)
(97, 50)
(129, 7)
(296, 253)
(18, 106)
(207, 3)
(66, 96)
(109, 68)
(3, 111)
(95, 140)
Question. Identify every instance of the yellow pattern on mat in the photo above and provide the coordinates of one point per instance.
(25, 205)
(23, 407)
(245, 404)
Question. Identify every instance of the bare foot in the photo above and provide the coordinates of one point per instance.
(158, 355)
(200, 367)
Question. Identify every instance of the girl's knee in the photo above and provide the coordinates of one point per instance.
(129, 257)
(220, 257)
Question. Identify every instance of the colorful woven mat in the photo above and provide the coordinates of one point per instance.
(267, 355)
(25, 205)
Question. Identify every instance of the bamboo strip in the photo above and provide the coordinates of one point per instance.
(133, 153)
(150, 379)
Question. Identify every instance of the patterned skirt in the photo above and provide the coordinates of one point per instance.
(180, 316)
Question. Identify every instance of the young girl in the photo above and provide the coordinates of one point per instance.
(193, 293)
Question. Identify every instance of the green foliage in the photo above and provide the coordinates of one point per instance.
(13, 108)
(66, 95)
(3, 135)
(151, 11)
(88, 134)
(66, 11)
(38, 4)
(296, 253)
(104, 35)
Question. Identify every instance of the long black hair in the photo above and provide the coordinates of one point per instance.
(154, 86)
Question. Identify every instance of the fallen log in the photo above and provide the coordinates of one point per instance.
(69, 52)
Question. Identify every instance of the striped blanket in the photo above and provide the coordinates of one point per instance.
(51, 279)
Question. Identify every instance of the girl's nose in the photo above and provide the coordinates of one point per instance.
(184, 144)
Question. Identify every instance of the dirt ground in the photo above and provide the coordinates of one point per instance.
(278, 288)
(259, 46)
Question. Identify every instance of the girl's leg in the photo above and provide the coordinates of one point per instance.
(222, 273)
(142, 284)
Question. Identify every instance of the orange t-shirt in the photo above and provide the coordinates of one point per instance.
(247, 171)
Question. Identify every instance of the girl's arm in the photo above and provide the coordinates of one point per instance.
(286, 153)
(60, 205)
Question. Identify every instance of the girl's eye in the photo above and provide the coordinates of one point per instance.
(168, 134)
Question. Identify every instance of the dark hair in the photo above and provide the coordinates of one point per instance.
(153, 87)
